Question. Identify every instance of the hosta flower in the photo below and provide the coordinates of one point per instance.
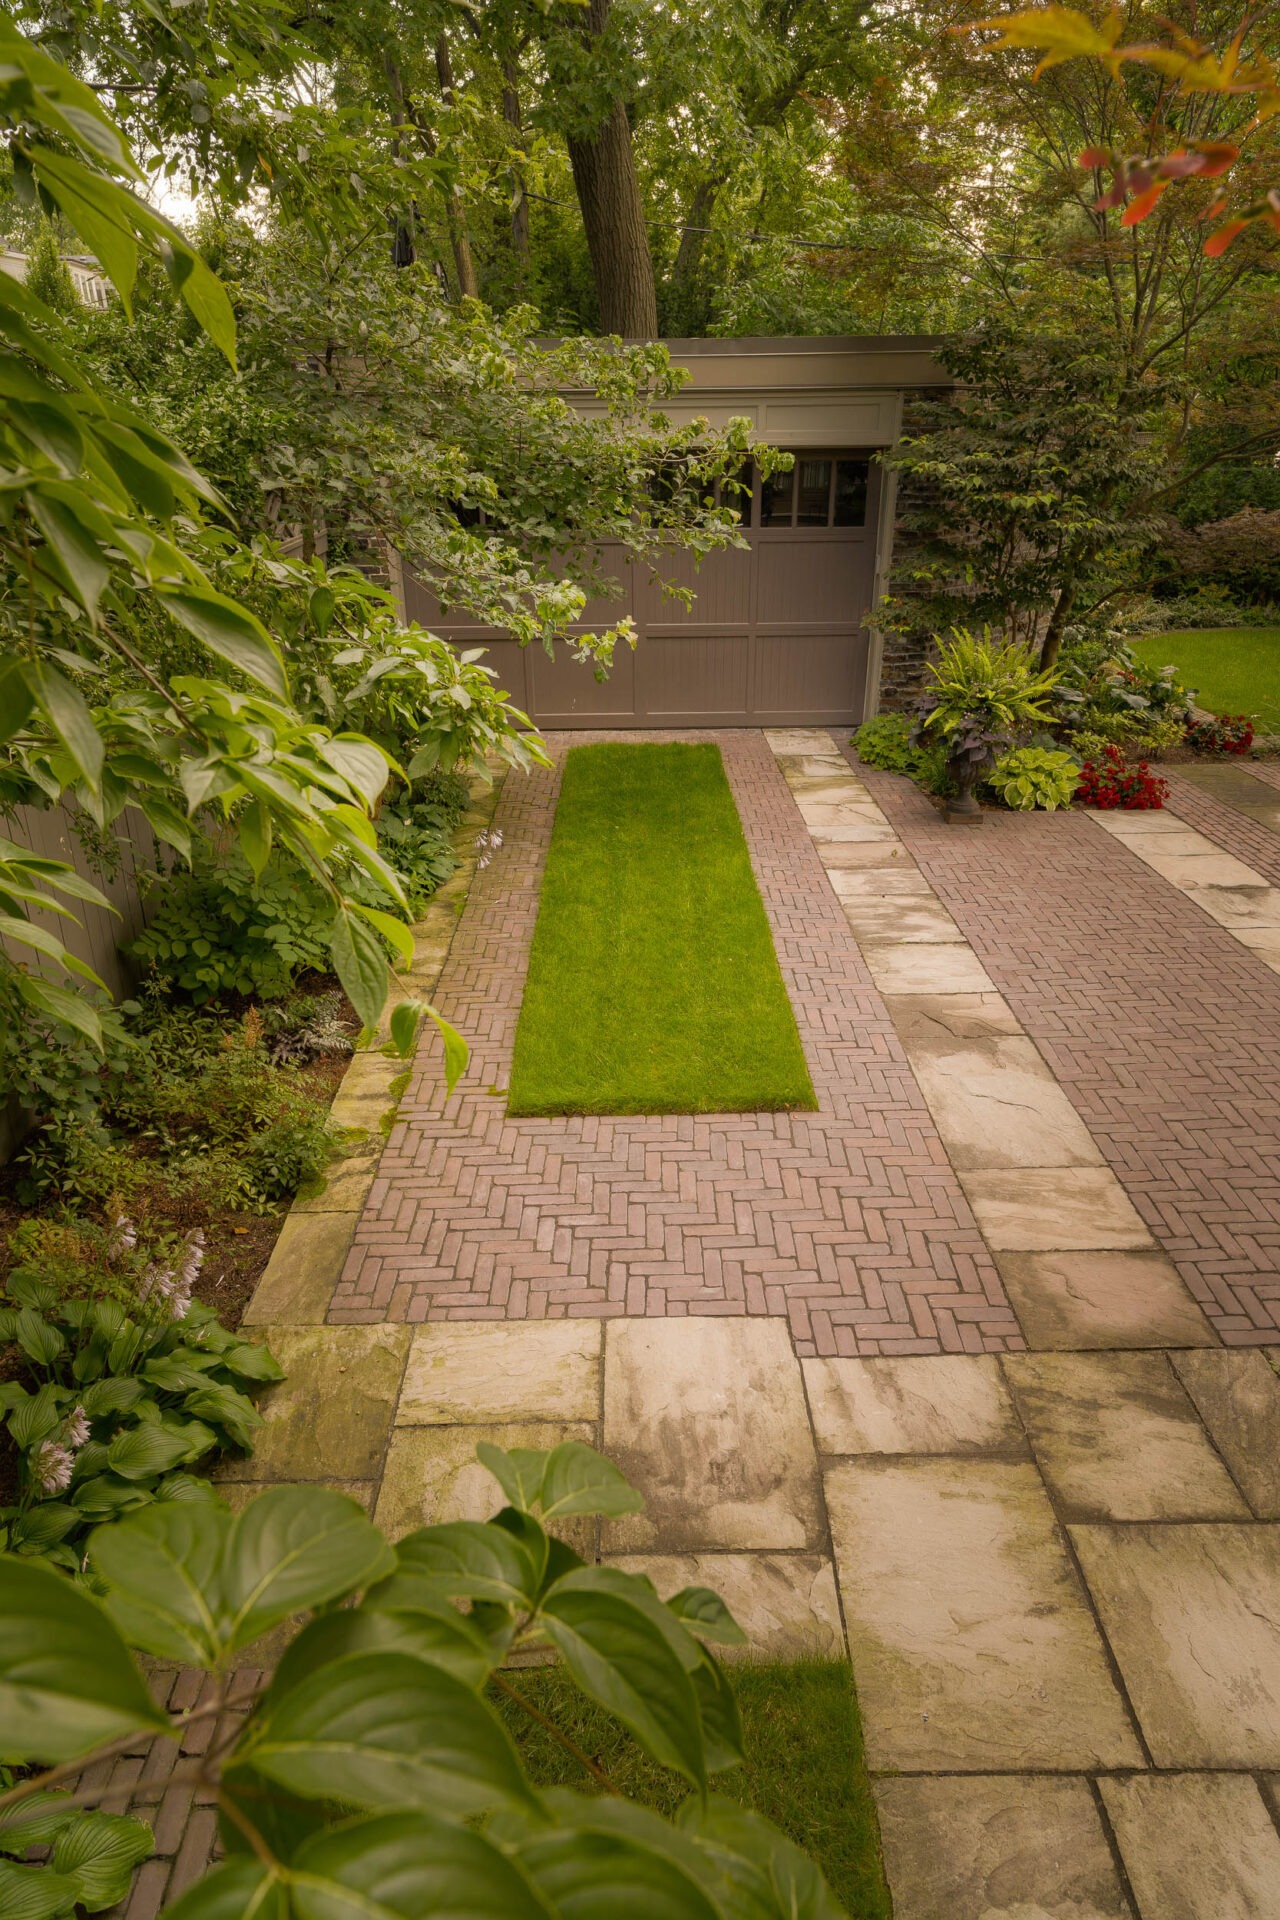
(156, 1278)
(53, 1468)
(77, 1429)
(124, 1237)
(487, 844)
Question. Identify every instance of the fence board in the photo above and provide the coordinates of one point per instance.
(96, 937)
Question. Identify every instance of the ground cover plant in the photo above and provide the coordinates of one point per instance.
(653, 986)
(1112, 781)
(1233, 669)
(372, 1773)
(803, 1767)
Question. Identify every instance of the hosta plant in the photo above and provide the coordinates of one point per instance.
(371, 1775)
(1033, 778)
(128, 1384)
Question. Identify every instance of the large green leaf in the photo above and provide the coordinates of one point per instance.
(447, 1638)
(571, 1478)
(68, 1008)
(294, 1548)
(360, 964)
(230, 632)
(98, 1853)
(406, 1866)
(763, 1872)
(67, 1681)
(623, 1659)
(460, 1560)
(385, 1729)
(63, 706)
(34, 1893)
(234, 1412)
(206, 296)
(143, 1451)
(718, 1712)
(706, 1614)
(588, 1874)
(78, 551)
(242, 1889)
(162, 1570)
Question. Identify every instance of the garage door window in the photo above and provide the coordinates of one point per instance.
(822, 490)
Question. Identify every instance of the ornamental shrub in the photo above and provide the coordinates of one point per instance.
(1221, 733)
(1110, 781)
(1033, 778)
(216, 930)
(890, 742)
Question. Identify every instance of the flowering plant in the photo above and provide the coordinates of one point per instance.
(1223, 733)
(130, 1383)
(1109, 781)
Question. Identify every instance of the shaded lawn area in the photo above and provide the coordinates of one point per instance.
(804, 1768)
(653, 985)
(1232, 669)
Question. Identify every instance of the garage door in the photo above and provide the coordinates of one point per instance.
(774, 637)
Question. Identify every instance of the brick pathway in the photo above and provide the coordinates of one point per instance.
(848, 1221)
(1162, 1028)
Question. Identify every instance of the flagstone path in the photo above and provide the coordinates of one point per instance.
(1046, 1082)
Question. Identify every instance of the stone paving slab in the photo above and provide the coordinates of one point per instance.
(479, 1372)
(1051, 1210)
(330, 1417)
(1102, 1300)
(708, 1417)
(1192, 1614)
(1004, 1847)
(973, 1644)
(954, 1403)
(1196, 1846)
(1237, 1395)
(432, 1475)
(1117, 1438)
(996, 1104)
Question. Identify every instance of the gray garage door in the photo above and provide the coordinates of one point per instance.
(775, 636)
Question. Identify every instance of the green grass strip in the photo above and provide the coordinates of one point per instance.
(1231, 669)
(804, 1765)
(653, 985)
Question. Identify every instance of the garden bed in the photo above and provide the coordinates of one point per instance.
(1230, 669)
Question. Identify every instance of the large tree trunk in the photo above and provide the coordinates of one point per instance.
(515, 120)
(1052, 641)
(604, 174)
(693, 241)
(459, 238)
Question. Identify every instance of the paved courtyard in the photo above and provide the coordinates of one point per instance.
(969, 1371)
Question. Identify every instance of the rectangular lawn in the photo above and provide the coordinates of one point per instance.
(653, 985)
(1232, 669)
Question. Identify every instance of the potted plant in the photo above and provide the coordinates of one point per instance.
(982, 695)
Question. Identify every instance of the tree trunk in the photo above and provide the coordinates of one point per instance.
(459, 238)
(693, 241)
(515, 120)
(1052, 641)
(604, 174)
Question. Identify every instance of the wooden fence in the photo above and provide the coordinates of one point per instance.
(95, 933)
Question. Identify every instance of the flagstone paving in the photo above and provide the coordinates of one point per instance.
(1057, 1571)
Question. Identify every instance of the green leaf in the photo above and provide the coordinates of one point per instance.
(61, 1005)
(456, 1051)
(382, 1729)
(393, 930)
(754, 1857)
(63, 706)
(255, 836)
(359, 762)
(234, 1412)
(241, 1889)
(442, 1635)
(586, 1873)
(706, 1614)
(360, 964)
(295, 1548)
(165, 821)
(230, 632)
(206, 296)
(114, 1395)
(36, 1821)
(518, 1471)
(98, 1853)
(577, 1479)
(67, 1681)
(38, 1340)
(251, 1362)
(162, 1568)
(34, 1893)
(141, 1452)
(718, 1712)
(77, 550)
(16, 698)
(322, 605)
(35, 1418)
(460, 1560)
(405, 1866)
(624, 1661)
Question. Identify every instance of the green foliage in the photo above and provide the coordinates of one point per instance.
(131, 1383)
(980, 695)
(1233, 670)
(639, 999)
(216, 928)
(1032, 778)
(48, 277)
(891, 741)
(1108, 694)
(371, 1766)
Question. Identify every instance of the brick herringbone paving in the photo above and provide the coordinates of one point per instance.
(848, 1221)
(1248, 839)
(1162, 1028)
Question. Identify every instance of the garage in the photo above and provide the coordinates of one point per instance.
(776, 634)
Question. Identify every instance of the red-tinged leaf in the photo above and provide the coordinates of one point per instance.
(1217, 158)
(1137, 210)
(1211, 213)
(1094, 157)
(1218, 242)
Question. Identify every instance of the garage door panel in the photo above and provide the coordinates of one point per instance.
(565, 693)
(823, 578)
(703, 675)
(722, 585)
(809, 673)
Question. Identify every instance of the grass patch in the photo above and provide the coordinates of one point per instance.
(653, 985)
(804, 1768)
(1232, 669)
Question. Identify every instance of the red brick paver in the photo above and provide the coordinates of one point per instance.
(848, 1221)
(1162, 1028)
